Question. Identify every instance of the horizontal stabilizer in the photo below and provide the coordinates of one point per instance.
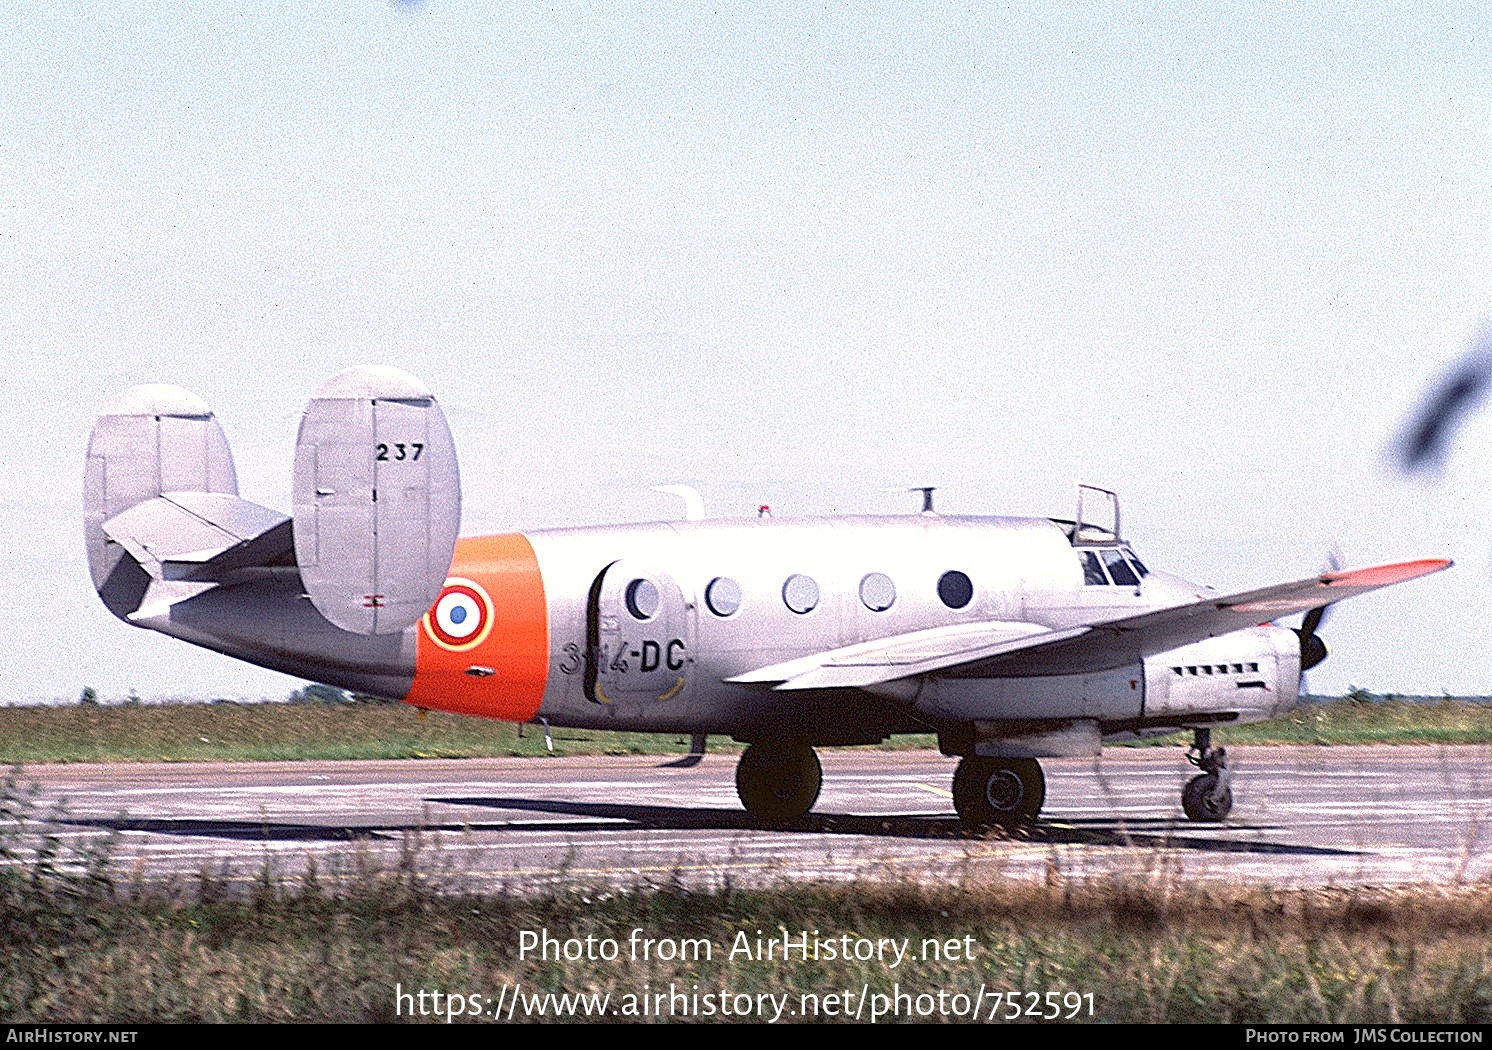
(201, 536)
(377, 498)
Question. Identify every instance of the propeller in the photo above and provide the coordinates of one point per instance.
(1426, 439)
(1312, 649)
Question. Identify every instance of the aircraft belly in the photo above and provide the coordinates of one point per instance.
(267, 621)
(1106, 695)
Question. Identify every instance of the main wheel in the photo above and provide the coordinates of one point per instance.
(778, 782)
(1202, 802)
(998, 792)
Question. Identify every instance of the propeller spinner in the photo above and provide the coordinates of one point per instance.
(1312, 649)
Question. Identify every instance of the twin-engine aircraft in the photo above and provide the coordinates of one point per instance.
(1012, 639)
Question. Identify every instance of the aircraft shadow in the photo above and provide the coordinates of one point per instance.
(239, 830)
(592, 817)
(276, 831)
(1142, 834)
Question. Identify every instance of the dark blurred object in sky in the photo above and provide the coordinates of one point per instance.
(1423, 445)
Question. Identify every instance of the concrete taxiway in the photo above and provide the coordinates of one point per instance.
(1316, 816)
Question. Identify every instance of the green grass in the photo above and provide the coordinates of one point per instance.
(269, 732)
(334, 948)
(260, 732)
(1351, 721)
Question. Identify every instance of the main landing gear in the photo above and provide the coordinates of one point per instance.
(778, 781)
(998, 792)
(1208, 796)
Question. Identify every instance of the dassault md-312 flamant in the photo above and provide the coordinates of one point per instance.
(1012, 639)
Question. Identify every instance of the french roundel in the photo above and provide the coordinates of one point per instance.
(461, 618)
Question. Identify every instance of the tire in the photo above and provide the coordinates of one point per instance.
(998, 792)
(1198, 803)
(778, 782)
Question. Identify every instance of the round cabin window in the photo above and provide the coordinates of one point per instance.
(642, 599)
(723, 596)
(800, 593)
(955, 589)
(877, 592)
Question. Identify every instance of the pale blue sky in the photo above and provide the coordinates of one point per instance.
(786, 253)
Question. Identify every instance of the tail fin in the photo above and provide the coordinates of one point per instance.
(377, 500)
(147, 441)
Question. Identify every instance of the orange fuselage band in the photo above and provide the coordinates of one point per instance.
(483, 648)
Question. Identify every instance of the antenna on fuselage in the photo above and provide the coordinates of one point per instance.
(927, 495)
(694, 504)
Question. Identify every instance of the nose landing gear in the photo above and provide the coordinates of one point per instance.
(1207, 797)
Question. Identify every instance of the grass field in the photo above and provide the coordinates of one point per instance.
(256, 732)
(87, 948)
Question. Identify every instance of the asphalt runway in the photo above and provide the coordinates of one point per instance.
(1302, 816)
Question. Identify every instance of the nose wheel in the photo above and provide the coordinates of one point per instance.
(998, 792)
(778, 781)
(1207, 797)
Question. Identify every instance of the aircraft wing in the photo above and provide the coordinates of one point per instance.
(905, 655)
(1014, 650)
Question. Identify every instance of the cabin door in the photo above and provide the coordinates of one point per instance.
(640, 636)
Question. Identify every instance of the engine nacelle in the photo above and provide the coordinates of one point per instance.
(1255, 673)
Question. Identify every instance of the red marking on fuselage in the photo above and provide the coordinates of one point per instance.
(516, 649)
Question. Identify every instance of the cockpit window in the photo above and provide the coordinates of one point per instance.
(1093, 574)
(1137, 563)
(1118, 568)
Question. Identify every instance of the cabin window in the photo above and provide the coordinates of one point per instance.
(642, 599)
(877, 592)
(723, 596)
(956, 589)
(1093, 574)
(800, 593)
(1137, 563)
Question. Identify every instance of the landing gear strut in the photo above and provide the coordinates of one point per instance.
(998, 792)
(1207, 797)
(778, 781)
